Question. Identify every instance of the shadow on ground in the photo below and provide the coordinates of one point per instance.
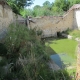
(58, 72)
(56, 63)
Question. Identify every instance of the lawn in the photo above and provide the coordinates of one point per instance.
(75, 33)
(63, 46)
(63, 52)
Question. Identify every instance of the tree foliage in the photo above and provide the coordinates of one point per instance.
(62, 5)
(16, 5)
(47, 4)
(58, 7)
(72, 2)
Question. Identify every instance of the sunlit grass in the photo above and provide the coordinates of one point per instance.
(64, 46)
(75, 33)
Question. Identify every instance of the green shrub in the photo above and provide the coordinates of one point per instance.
(75, 33)
(25, 52)
(26, 58)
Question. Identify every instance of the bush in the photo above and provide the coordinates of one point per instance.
(75, 33)
(25, 52)
(26, 58)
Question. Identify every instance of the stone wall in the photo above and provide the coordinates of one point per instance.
(50, 25)
(7, 17)
(46, 24)
(17, 17)
(76, 23)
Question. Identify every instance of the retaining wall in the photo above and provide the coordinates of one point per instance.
(7, 17)
(50, 25)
